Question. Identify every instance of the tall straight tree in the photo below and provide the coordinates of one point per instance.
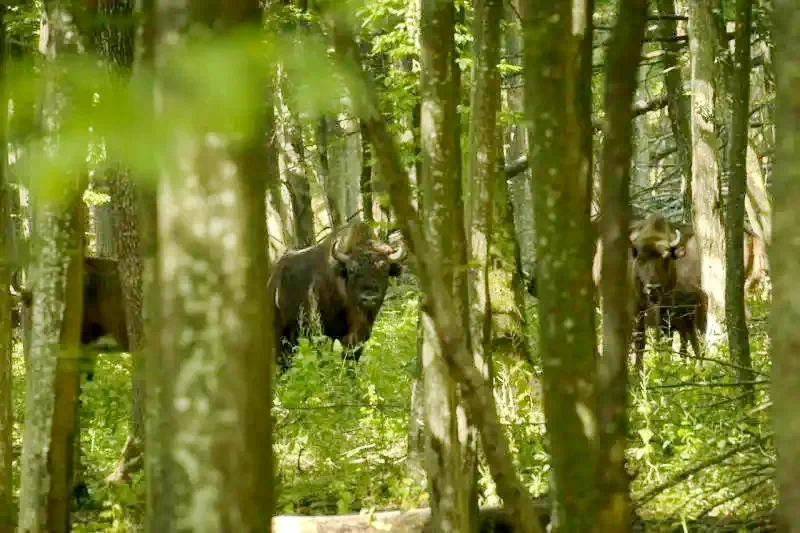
(216, 346)
(677, 103)
(6, 407)
(737, 190)
(562, 197)
(446, 314)
(784, 266)
(622, 64)
(451, 448)
(707, 204)
(53, 378)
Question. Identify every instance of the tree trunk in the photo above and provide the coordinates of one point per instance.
(677, 103)
(622, 65)
(737, 190)
(366, 178)
(448, 322)
(6, 405)
(451, 451)
(785, 313)
(520, 188)
(211, 231)
(564, 248)
(52, 378)
(327, 182)
(486, 168)
(706, 160)
(293, 172)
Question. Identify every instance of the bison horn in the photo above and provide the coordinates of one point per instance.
(338, 254)
(398, 254)
(677, 239)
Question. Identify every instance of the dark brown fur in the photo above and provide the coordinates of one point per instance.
(348, 294)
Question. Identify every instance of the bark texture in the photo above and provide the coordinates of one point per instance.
(783, 259)
(677, 101)
(451, 447)
(215, 329)
(622, 62)
(707, 202)
(564, 247)
(52, 384)
(738, 338)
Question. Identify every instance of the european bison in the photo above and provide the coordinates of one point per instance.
(103, 305)
(347, 274)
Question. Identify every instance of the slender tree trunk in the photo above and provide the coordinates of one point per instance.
(622, 62)
(52, 378)
(737, 190)
(366, 178)
(6, 405)
(785, 313)
(677, 102)
(328, 183)
(451, 451)
(157, 460)
(442, 308)
(211, 231)
(564, 247)
(294, 174)
(520, 187)
(706, 160)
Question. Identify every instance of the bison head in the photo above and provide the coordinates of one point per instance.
(363, 267)
(655, 245)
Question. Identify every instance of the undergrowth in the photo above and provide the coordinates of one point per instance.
(341, 428)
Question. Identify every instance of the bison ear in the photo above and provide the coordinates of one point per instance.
(678, 251)
(395, 269)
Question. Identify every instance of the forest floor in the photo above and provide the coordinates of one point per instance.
(341, 430)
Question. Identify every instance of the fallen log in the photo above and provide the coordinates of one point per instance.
(492, 520)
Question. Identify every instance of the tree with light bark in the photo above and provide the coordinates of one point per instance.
(215, 335)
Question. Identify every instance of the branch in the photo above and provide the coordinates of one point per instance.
(711, 385)
(682, 476)
(520, 165)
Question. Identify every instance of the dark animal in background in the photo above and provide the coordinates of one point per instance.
(103, 304)
(347, 275)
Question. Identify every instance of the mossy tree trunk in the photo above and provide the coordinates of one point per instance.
(562, 201)
(783, 261)
(738, 338)
(622, 66)
(53, 374)
(6, 405)
(451, 451)
(216, 347)
(707, 204)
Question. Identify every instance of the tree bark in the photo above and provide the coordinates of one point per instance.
(738, 338)
(451, 455)
(564, 248)
(442, 308)
(216, 345)
(294, 174)
(366, 178)
(707, 203)
(328, 183)
(622, 65)
(6, 303)
(677, 103)
(783, 261)
(52, 378)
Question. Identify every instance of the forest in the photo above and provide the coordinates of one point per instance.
(449, 266)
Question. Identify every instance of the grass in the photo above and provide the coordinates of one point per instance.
(341, 429)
